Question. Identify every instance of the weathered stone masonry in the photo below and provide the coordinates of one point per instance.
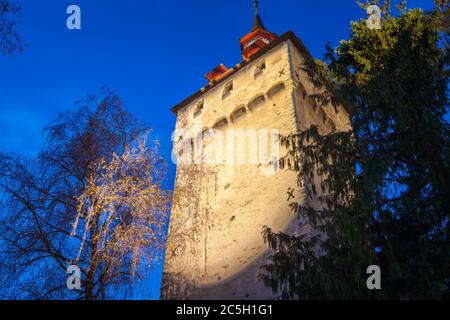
(215, 246)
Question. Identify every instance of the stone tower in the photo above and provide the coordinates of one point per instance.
(228, 185)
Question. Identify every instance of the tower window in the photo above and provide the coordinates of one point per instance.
(260, 67)
(199, 108)
(240, 112)
(227, 90)
(220, 124)
(257, 102)
(275, 90)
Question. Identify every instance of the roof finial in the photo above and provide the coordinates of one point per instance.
(257, 23)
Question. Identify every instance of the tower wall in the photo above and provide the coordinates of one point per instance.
(215, 246)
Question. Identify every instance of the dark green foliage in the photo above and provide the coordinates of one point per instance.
(385, 185)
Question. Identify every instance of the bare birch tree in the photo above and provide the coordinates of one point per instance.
(92, 198)
(10, 41)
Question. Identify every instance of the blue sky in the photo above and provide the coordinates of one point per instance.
(153, 53)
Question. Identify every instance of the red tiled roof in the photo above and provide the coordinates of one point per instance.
(284, 37)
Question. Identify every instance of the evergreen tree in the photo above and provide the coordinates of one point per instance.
(386, 183)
